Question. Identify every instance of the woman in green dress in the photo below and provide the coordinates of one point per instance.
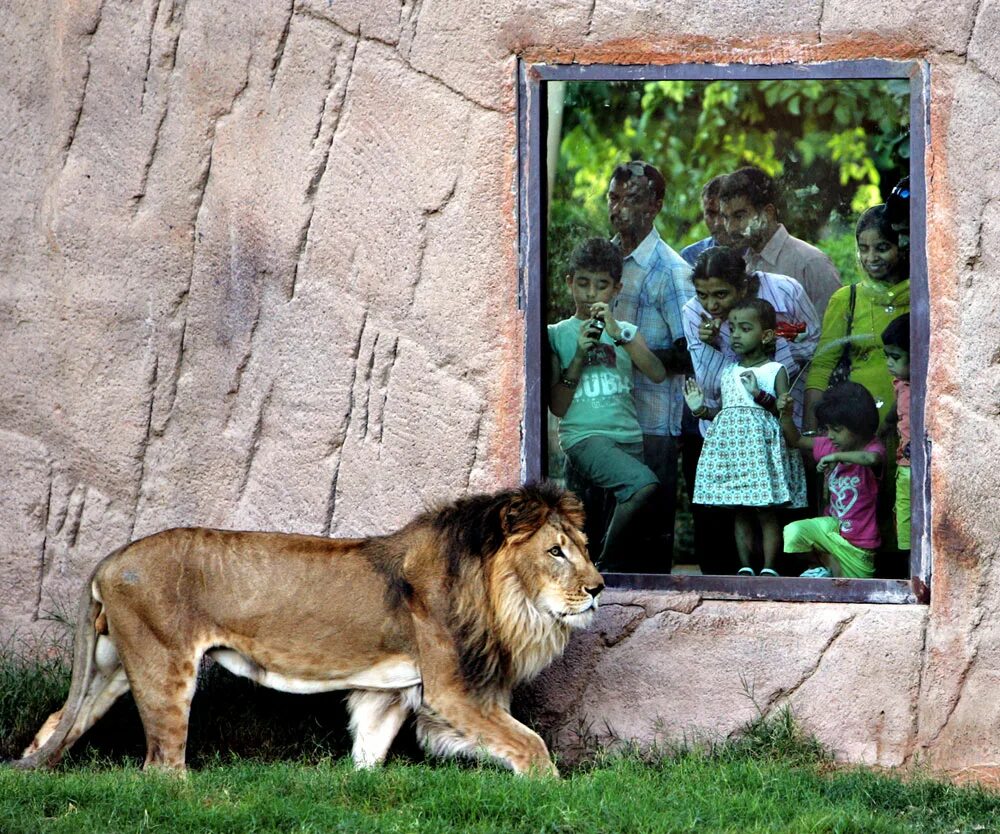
(881, 295)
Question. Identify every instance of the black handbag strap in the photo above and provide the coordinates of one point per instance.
(850, 309)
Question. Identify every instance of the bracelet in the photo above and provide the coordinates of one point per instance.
(569, 383)
(700, 412)
(764, 399)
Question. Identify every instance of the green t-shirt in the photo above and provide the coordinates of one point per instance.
(602, 402)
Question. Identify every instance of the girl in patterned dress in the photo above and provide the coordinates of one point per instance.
(745, 464)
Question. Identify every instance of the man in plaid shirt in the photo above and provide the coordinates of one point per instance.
(656, 285)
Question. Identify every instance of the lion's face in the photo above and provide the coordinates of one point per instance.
(554, 568)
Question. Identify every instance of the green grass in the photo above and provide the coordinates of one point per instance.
(692, 792)
(263, 762)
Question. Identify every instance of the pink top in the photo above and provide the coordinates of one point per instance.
(853, 495)
(902, 387)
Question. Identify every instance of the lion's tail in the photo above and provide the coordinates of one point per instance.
(48, 748)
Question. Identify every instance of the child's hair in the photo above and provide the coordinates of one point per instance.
(849, 405)
(597, 255)
(897, 334)
(766, 315)
(726, 264)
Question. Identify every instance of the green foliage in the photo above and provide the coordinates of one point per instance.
(835, 147)
(33, 683)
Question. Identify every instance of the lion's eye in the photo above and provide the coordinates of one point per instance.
(557, 551)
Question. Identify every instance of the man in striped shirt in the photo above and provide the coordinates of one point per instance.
(656, 285)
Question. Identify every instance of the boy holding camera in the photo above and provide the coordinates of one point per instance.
(592, 358)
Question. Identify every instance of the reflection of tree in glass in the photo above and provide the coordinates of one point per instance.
(835, 146)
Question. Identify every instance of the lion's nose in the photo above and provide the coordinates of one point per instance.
(595, 590)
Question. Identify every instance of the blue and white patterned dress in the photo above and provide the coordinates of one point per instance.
(745, 462)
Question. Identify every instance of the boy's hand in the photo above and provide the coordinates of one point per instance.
(708, 330)
(827, 461)
(749, 380)
(587, 339)
(602, 311)
(785, 404)
(693, 395)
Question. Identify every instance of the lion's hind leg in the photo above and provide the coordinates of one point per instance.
(376, 716)
(163, 681)
(98, 681)
(106, 684)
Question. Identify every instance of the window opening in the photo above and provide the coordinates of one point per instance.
(834, 140)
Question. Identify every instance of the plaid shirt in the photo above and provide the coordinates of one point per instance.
(791, 304)
(656, 283)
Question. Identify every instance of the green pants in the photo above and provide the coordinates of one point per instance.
(903, 507)
(824, 534)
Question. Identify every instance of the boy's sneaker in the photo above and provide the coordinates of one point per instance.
(816, 573)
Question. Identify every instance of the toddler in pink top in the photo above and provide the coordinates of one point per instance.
(852, 459)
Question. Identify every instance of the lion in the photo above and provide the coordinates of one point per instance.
(442, 619)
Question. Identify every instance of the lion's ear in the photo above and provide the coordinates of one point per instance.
(571, 508)
(522, 515)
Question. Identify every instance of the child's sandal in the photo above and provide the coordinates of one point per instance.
(768, 572)
(745, 571)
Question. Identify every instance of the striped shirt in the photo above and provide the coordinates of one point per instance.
(656, 284)
(791, 304)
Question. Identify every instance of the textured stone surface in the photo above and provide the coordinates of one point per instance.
(717, 665)
(258, 269)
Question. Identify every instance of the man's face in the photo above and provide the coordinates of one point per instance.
(745, 225)
(713, 219)
(632, 206)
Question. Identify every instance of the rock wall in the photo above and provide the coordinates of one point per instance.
(259, 270)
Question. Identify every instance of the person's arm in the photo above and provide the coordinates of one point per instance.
(695, 399)
(676, 359)
(706, 359)
(803, 348)
(564, 380)
(862, 458)
(781, 387)
(788, 428)
(830, 344)
(890, 425)
(828, 350)
(645, 361)
(675, 290)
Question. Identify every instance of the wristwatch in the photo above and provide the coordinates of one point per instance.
(626, 336)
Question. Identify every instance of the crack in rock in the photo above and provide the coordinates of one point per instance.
(88, 38)
(151, 385)
(256, 436)
(782, 695)
(320, 171)
(279, 51)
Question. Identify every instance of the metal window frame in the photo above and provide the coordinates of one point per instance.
(531, 79)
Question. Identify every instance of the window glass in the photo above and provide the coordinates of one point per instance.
(795, 164)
